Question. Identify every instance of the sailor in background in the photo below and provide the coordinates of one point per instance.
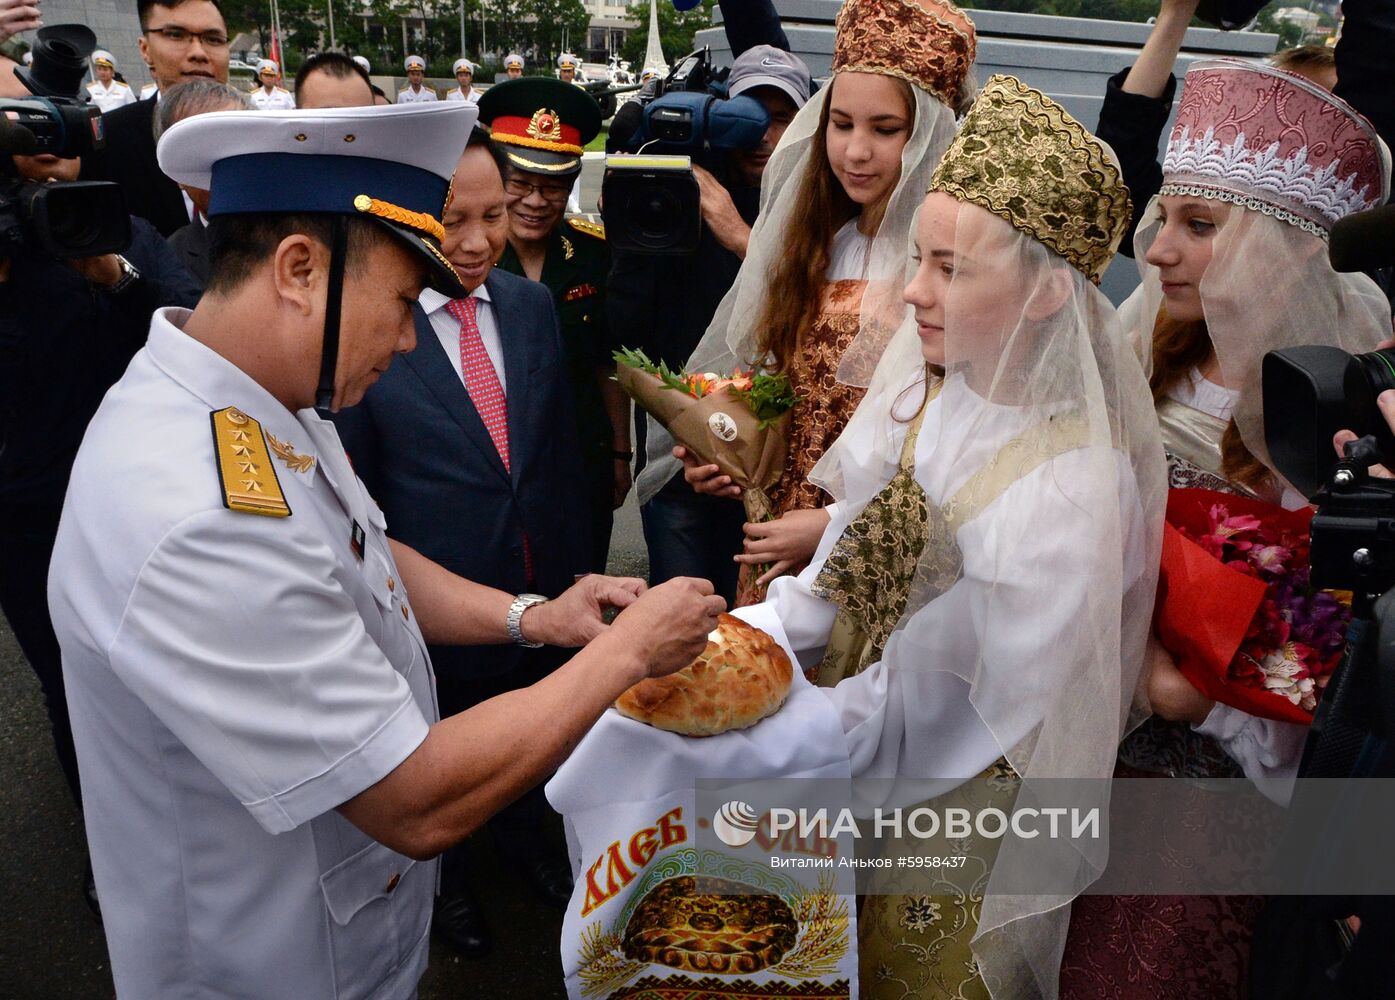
(270, 96)
(107, 92)
(567, 65)
(513, 65)
(414, 92)
(464, 71)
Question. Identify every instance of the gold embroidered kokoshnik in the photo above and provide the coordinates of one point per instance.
(1020, 155)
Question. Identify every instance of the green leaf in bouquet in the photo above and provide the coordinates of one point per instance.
(633, 357)
(769, 398)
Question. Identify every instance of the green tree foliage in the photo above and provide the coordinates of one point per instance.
(558, 20)
(373, 28)
(675, 30)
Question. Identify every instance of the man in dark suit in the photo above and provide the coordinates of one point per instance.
(180, 40)
(469, 444)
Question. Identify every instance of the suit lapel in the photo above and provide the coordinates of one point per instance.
(438, 372)
(517, 362)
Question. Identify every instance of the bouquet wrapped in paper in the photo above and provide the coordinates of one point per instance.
(737, 422)
(1236, 609)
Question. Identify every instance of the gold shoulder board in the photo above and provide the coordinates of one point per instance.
(595, 229)
(244, 465)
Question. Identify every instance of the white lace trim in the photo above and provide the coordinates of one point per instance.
(1263, 175)
(1247, 201)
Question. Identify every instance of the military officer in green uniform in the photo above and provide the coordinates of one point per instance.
(543, 125)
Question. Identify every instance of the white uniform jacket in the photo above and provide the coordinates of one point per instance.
(279, 99)
(118, 95)
(232, 679)
(409, 96)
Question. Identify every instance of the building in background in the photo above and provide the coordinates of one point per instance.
(609, 27)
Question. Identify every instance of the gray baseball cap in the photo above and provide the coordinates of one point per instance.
(767, 66)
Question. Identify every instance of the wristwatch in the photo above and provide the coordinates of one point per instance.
(129, 276)
(520, 604)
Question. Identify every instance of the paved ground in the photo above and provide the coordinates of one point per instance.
(52, 949)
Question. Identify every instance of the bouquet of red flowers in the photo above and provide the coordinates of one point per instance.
(1236, 609)
(736, 422)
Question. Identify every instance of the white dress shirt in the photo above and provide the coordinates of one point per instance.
(456, 94)
(447, 329)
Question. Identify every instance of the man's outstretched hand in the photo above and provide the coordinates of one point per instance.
(578, 616)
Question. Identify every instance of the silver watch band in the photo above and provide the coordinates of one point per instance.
(129, 276)
(520, 604)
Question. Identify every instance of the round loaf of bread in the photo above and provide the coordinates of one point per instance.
(740, 678)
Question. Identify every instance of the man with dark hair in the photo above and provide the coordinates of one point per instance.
(244, 647)
(180, 40)
(469, 444)
(332, 80)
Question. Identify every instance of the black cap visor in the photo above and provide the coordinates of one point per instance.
(542, 161)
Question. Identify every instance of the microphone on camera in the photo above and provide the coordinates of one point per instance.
(1364, 241)
(14, 140)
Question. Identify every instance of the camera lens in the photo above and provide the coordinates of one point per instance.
(1366, 377)
(656, 216)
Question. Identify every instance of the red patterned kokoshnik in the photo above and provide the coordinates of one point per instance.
(1268, 140)
(928, 43)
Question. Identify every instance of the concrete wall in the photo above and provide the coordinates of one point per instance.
(116, 26)
(1068, 58)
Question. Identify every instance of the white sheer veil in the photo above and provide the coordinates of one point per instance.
(1048, 615)
(1269, 286)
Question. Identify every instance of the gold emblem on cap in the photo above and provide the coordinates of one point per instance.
(545, 126)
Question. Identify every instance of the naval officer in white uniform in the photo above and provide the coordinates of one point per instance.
(270, 96)
(415, 92)
(107, 92)
(265, 778)
(464, 90)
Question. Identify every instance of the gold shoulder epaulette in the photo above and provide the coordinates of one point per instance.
(595, 229)
(244, 465)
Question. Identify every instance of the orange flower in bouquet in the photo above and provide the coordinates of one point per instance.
(737, 421)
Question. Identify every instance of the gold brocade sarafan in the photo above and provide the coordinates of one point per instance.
(1022, 156)
(928, 43)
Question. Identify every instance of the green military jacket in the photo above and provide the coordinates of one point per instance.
(575, 271)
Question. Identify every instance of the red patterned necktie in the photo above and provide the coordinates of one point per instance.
(482, 384)
(481, 380)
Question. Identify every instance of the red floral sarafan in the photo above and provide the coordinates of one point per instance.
(1237, 610)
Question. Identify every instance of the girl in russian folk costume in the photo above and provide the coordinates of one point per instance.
(824, 259)
(981, 598)
(1233, 256)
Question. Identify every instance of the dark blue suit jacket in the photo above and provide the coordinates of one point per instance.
(419, 444)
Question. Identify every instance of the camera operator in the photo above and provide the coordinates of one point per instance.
(665, 303)
(68, 328)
